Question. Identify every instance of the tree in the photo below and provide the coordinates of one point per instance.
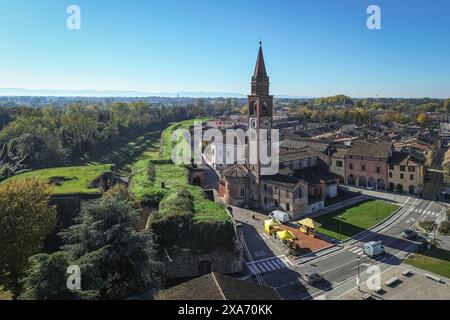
(423, 119)
(26, 218)
(47, 279)
(447, 106)
(116, 261)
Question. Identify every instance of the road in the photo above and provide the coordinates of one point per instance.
(268, 258)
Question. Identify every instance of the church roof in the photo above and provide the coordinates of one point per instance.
(260, 69)
(236, 171)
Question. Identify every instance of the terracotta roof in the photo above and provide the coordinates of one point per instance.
(339, 153)
(296, 155)
(405, 159)
(282, 180)
(315, 175)
(368, 149)
(215, 286)
(236, 171)
(317, 144)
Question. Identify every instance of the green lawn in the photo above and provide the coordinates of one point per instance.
(355, 219)
(436, 261)
(68, 180)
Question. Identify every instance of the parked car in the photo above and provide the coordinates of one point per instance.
(280, 216)
(312, 278)
(374, 249)
(409, 234)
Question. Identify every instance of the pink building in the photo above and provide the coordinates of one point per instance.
(366, 164)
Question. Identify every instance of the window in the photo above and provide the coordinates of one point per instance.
(287, 194)
(300, 193)
(265, 187)
(276, 190)
(402, 176)
(265, 200)
(339, 164)
(276, 203)
(391, 167)
(288, 207)
(390, 174)
(363, 167)
(242, 193)
(378, 170)
(411, 169)
(350, 166)
(411, 177)
(402, 168)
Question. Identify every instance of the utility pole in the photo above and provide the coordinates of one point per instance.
(340, 228)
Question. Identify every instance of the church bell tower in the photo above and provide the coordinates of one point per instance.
(260, 116)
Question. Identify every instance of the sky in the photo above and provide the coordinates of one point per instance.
(311, 47)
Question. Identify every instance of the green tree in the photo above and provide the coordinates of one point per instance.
(447, 106)
(116, 261)
(46, 279)
(26, 218)
(423, 119)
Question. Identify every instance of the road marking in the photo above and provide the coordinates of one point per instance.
(359, 251)
(269, 265)
(352, 250)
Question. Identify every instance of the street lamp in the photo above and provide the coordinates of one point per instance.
(340, 228)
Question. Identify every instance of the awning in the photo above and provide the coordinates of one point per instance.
(310, 223)
(286, 235)
(270, 223)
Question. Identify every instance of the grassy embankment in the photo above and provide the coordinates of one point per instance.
(204, 223)
(67, 180)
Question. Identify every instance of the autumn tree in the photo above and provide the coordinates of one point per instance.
(423, 119)
(26, 218)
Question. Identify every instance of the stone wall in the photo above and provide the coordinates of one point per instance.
(186, 264)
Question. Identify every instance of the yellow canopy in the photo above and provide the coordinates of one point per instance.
(286, 235)
(310, 223)
(270, 223)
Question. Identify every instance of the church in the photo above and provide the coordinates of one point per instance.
(303, 182)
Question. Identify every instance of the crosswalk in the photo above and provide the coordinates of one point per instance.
(270, 265)
(356, 250)
(426, 212)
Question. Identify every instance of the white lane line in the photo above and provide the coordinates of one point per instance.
(261, 267)
(352, 250)
(358, 251)
(279, 263)
(272, 265)
(267, 266)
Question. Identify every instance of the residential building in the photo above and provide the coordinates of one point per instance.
(366, 164)
(406, 173)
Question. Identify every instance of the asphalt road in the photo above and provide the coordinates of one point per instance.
(339, 268)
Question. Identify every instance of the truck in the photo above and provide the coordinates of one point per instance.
(374, 249)
(280, 216)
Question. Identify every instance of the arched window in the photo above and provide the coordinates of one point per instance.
(252, 108)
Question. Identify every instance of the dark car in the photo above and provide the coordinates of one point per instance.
(313, 278)
(409, 234)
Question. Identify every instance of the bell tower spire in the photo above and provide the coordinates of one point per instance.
(260, 80)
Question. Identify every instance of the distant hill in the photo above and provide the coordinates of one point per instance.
(19, 92)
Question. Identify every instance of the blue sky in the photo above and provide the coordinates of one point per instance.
(312, 48)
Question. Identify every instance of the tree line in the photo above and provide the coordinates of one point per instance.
(48, 136)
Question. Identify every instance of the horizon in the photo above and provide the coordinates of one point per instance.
(156, 50)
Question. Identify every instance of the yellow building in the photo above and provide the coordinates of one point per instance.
(406, 173)
(446, 168)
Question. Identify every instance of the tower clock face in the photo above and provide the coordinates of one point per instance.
(265, 124)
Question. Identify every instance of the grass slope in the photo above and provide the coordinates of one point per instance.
(355, 219)
(436, 261)
(78, 178)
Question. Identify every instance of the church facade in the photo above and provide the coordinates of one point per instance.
(303, 181)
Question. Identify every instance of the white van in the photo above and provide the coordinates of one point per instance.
(374, 249)
(280, 216)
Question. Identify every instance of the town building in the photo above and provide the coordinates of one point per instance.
(406, 173)
(303, 181)
(366, 164)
